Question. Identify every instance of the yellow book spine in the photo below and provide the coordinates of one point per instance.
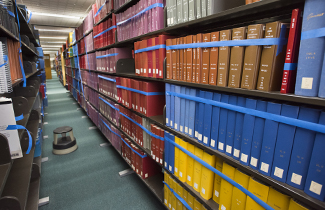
(185, 198)
(190, 165)
(166, 189)
(296, 206)
(197, 170)
(182, 161)
(217, 181)
(176, 163)
(258, 189)
(174, 199)
(170, 194)
(238, 201)
(190, 200)
(226, 188)
(277, 200)
(180, 193)
(197, 205)
(207, 177)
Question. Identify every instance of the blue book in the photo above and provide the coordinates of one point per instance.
(177, 108)
(196, 120)
(231, 122)
(241, 101)
(201, 117)
(183, 108)
(215, 122)
(172, 107)
(223, 124)
(171, 153)
(187, 111)
(192, 114)
(316, 172)
(283, 145)
(303, 144)
(311, 53)
(166, 152)
(269, 139)
(207, 119)
(167, 105)
(248, 129)
(257, 136)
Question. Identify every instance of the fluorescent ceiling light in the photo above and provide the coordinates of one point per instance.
(68, 31)
(51, 46)
(53, 42)
(54, 37)
(56, 15)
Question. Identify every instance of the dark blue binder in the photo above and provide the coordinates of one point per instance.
(172, 107)
(231, 121)
(207, 119)
(215, 122)
(177, 108)
(166, 152)
(241, 101)
(187, 111)
(201, 117)
(192, 114)
(223, 124)
(167, 105)
(171, 153)
(183, 111)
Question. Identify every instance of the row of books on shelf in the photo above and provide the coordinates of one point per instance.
(182, 11)
(85, 27)
(101, 38)
(90, 78)
(101, 8)
(106, 60)
(144, 17)
(88, 61)
(85, 45)
(7, 18)
(150, 63)
(286, 153)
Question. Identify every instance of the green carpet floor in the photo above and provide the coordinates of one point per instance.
(87, 178)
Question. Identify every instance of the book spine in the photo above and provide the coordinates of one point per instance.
(223, 125)
(214, 59)
(223, 60)
(231, 122)
(177, 108)
(189, 59)
(205, 60)
(194, 61)
(207, 120)
(241, 101)
(182, 111)
(201, 117)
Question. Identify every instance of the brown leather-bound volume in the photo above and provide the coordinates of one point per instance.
(189, 59)
(199, 51)
(249, 1)
(184, 61)
(236, 58)
(169, 60)
(181, 58)
(205, 60)
(252, 57)
(194, 61)
(174, 60)
(177, 60)
(214, 51)
(271, 66)
(223, 61)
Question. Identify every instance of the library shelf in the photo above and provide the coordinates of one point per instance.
(34, 187)
(5, 32)
(125, 6)
(27, 50)
(108, 15)
(154, 183)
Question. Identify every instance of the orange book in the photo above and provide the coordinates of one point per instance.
(199, 51)
(177, 59)
(181, 61)
(174, 60)
(194, 61)
(168, 60)
(189, 59)
(214, 59)
(184, 61)
(205, 60)
(153, 59)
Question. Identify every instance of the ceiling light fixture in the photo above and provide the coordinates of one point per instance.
(67, 31)
(51, 46)
(56, 15)
(54, 37)
(53, 42)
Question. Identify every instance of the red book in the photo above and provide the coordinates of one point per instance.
(149, 59)
(141, 131)
(108, 34)
(137, 58)
(114, 29)
(134, 162)
(105, 35)
(137, 96)
(141, 97)
(289, 76)
(157, 58)
(153, 141)
(145, 59)
(101, 37)
(129, 101)
(157, 145)
(153, 104)
(162, 146)
(133, 94)
(153, 60)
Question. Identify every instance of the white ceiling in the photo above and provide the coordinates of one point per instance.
(77, 8)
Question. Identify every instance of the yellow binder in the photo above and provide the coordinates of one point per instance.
(190, 165)
(185, 198)
(238, 201)
(182, 161)
(180, 193)
(176, 163)
(197, 205)
(166, 189)
(296, 206)
(217, 181)
(226, 187)
(190, 200)
(174, 199)
(170, 194)
(207, 176)
(258, 189)
(197, 170)
(277, 200)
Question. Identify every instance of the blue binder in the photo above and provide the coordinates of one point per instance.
(311, 53)
(231, 121)
(302, 148)
(177, 108)
(193, 106)
(223, 124)
(172, 107)
(171, 153)
(283, 145)
(167, 105)
(182, 112)
(196, 120)
(187, 111)
(166, 152)
(269, 140)
(248, 129)
(215, 122)
(257, 136)
(315, 180)
(201, 117)
(207, 119)
(241, 101)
